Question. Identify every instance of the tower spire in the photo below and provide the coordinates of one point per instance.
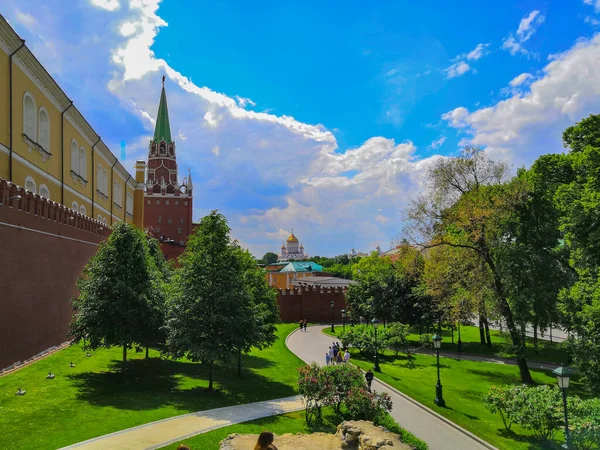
(162, 130)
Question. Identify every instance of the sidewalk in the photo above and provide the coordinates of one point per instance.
(438, 432)
(164, 432)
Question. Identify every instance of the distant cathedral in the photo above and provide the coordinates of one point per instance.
(292, 250)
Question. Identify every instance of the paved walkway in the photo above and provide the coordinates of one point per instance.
(424, 423)
(164, 432)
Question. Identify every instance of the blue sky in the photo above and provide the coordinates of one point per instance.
(321, 116)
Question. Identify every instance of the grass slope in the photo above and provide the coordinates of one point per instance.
(501, 344)
(464, 383)
(91, 399)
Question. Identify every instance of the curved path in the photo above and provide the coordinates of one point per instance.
(438, 432)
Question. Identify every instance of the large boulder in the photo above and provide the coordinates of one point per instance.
(350, 435)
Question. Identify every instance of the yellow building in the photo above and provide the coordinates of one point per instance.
(47, 146)
(285, 275)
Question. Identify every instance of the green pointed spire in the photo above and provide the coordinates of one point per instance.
(163, 129)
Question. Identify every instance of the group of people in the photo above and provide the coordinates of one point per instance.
(334, 355)
(303, 324)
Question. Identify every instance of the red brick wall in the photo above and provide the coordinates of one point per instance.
(310, 303)
(38, 271)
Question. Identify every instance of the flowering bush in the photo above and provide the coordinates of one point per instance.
(504, 400)
(343, 378)
(584, 423)
(365, 405)
(316, 386)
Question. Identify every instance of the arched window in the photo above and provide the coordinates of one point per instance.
(104, 182)
(74, 206)
(82, 163)
(44, 124)
(99, 178)
(104, 221)
(74, 156)
(82, 210)
(44, 192)
(119, 194)
(99, 218)
(30, 185)
(29, 117)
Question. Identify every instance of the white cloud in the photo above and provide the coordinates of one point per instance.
(592, 21)
(477, 53)
(109, 5)
(127, 29)
(520, 79)
(438, 142)
(216, 150)
(457, 69)
(529, 124)
(594, 3)
(527, 27)
(27, 20)
(244, 101)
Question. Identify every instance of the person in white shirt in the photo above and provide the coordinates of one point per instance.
(346, 356)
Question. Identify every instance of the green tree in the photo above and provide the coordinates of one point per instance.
(118, 291)
(259, 313)
(208, 296)
(467, 204)
(270, 258)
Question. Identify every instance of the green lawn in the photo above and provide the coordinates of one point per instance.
(501, 344)
(286, 423)
(464, 383)
(91, 399)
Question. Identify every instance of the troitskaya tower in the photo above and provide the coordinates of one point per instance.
(168, 204)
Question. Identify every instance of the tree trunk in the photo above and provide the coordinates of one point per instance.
(210, 376)
(124, 355)
(146, 352)
(239, 361)
(481, 330)
(535, 335)
(523, 331)
(452, 330)
(488, 336)
(510, 322)
(550, 333)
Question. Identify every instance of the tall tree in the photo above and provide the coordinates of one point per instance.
(270, 258)
(259, 313)
(116, 293)
(208, 296)
(466, 206)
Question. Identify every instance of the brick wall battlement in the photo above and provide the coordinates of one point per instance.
(33, 204)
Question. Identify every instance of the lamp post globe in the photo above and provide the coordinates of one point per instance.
(563, 377)
(375, 323)
(344, 312)
(332, 303)
(439, 398)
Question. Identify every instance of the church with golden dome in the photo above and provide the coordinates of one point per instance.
(292, 250)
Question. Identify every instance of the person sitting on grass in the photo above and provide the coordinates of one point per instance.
(183, 447)
(265, 441)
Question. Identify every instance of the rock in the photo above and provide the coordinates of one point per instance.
(350, 435)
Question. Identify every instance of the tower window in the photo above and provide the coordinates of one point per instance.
(44, 134)
(159, 219)
(169, 220)
(29, 119)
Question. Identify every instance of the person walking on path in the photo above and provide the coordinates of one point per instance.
(339, 358)
(331, 355)
(335, 352)
(346, 356)
(369, 377)
(305, 324)
(301, 323)
(327, 358)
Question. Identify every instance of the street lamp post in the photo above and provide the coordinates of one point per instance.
(375, 323)
(563, 376)
(332, 303)
(439, 399)
(343, 320)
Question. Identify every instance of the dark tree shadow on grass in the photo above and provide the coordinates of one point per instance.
(469, 416)
(156, 383)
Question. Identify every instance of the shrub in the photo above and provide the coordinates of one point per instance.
(584, 423)
(347, 338)
(397, 337)
(504, 400)
(343, 378)
(364, 405)
(316, 386)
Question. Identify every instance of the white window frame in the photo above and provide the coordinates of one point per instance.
(31, 181)
(75, 206)
(82, 163)
(104, 182)
(27, 131)
(82, 210)
(74, 156)
(44, 141)
(41, 192)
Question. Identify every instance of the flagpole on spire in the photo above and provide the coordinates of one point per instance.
(163, 79)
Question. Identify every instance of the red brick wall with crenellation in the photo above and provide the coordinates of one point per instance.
(310, 303)
(43, 250)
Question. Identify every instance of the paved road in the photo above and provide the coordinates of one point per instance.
(311, 346)
(154, 435)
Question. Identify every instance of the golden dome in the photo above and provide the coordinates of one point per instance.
(292, 238)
